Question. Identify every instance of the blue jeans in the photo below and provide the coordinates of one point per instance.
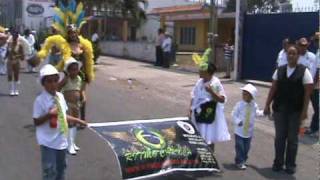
(54, 163)
(242, 149)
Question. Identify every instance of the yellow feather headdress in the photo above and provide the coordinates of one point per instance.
(70, 14)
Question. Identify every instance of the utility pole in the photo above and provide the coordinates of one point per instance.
(212, 30)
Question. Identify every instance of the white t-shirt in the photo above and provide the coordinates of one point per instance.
(166, 45)
(94, 37)
(47, 136)
(282, 58)
(310, 61)
(307, 78)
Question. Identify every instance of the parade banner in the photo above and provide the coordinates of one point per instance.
(148, 148)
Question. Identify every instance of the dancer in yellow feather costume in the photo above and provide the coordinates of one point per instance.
(68, 22)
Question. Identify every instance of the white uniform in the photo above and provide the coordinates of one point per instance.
(217, 131)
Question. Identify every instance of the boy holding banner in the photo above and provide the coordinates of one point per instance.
(50, 119)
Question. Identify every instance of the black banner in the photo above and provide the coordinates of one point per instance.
(147, 148)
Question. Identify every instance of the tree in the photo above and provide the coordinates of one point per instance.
(257, 5)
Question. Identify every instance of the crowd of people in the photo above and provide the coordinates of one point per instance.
(59, 110)
(295, 83)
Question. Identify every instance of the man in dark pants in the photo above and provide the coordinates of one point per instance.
(159, 51)
(290, 93)
(314, 126)
(166, 47)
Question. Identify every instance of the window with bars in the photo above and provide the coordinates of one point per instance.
(188, 36)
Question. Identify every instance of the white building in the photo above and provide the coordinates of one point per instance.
(149, 29)
(37, 14)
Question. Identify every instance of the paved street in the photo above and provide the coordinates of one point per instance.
(154, 93)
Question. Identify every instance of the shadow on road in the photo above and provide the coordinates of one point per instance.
(4, 95)
(231, 167)
(269, 174)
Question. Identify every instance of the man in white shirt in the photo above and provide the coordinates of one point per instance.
(159, 51)
(95, 37)
(282, 56)
(166, 47)
(309, 59)
(96, 48)
(31, 41)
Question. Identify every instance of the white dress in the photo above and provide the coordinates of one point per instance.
(218, 130)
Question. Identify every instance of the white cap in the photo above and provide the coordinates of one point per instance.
(250, 89)
(70, 61)
(48, 70)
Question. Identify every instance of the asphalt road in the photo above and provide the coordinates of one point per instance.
(113, 100)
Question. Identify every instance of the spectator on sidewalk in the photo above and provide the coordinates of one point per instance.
(166, 47)
(228, 57)
(95, 45)
(207, 106)
(3, 53)
(244, 114)
(31, 41)
(159, 51)
(50, 119)
(290, 94)
(282, 56)
(309, 59)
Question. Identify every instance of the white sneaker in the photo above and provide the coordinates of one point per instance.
(71, 150)
(241, 166)
(12, 93)
(76, 147)
(12, 88)
(16, 92)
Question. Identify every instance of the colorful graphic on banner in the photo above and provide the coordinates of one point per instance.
(147, 148)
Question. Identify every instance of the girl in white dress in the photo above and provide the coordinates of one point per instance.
(209, 90)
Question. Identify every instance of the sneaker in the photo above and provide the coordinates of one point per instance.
(241, 166)
(12, 93)
(16, 93)
(277, 168)
(290, 170)
(76, 147)
(72, 151)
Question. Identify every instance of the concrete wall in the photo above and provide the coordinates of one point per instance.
(143, 51)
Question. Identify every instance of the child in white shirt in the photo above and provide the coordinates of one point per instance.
(50, 119)
(244, 114)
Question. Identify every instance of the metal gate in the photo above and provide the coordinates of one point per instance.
(262, 41)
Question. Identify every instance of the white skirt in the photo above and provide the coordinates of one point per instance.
(217, 131)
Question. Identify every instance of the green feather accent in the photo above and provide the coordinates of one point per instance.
(61, 117)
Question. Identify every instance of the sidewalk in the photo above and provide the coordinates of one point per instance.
(175, 87)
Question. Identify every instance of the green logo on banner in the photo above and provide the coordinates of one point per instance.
(150, 138)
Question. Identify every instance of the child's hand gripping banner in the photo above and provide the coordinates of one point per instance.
(148, 148)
